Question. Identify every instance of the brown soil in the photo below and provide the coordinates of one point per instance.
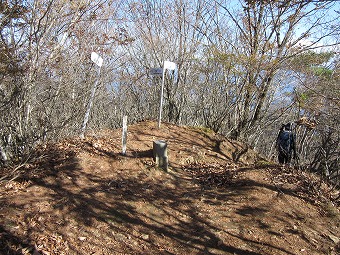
(218, 197)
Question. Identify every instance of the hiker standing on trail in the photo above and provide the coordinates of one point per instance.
(286, 144)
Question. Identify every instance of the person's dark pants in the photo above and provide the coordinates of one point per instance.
(284, 158)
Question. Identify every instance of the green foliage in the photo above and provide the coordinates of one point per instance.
(225, 58)
(203, 129)
(262, 163)
(322, 71)
(311, 59)
(303, 96)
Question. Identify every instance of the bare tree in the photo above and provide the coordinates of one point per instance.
(53, 41)
(265, 35)
(164, 30)
(317, 99)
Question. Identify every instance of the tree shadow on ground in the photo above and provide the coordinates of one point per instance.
(9, 241)
(140, 215)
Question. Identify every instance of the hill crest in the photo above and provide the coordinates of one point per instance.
(84, 197)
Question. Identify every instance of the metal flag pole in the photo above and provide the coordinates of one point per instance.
(161, 100)
(170, 66)
(99, 62)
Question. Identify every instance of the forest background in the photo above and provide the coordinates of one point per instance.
(243, 69)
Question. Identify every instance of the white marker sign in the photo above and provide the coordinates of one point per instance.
(169, 65)
(96, 59)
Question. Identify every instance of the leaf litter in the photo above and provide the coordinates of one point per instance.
(81, 196)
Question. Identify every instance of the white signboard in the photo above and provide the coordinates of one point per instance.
(169, 65)
(96, 59)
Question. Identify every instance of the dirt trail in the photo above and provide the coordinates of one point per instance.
(83, 197)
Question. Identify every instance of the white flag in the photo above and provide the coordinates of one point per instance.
(169, 65)
(96, 59)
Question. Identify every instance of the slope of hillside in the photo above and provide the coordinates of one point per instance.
(218, 197)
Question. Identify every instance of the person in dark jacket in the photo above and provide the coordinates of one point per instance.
(285, 144)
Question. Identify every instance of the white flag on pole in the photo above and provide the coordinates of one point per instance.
(98, 60)
(169, 65)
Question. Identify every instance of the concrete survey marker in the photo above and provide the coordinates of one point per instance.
(160, 154)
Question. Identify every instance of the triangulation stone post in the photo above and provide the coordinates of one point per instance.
(160, 154)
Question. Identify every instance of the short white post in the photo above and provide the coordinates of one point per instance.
(124, 135)
(160, 154)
